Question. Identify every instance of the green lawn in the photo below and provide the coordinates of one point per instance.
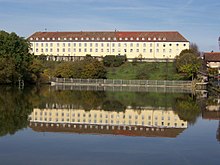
(150, 71)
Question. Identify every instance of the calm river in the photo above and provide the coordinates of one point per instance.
(49, 126)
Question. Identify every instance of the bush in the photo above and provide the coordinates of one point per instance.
(113, 61)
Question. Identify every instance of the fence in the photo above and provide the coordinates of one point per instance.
(128, 83)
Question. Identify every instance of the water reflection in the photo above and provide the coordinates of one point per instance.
(117, 113)
(212, 112)
(143, 122)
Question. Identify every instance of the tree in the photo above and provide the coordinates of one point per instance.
(16, 50)
(189, 63)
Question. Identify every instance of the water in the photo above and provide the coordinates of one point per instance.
(48, 126)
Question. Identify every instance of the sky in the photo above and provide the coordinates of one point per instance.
(197, 20)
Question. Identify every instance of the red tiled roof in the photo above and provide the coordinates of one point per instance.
(168, 36)
(212, 56)
(152, 132)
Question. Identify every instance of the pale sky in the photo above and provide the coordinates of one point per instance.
(197, 20)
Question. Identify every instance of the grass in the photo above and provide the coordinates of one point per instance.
(150, 71)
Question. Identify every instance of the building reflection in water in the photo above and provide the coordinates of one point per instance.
(212, 112)
(146, 121)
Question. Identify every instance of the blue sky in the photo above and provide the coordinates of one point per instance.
(197, 20)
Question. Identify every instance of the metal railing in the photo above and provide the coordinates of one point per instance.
(112, 82)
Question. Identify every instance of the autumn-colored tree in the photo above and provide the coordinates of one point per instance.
(189, 63)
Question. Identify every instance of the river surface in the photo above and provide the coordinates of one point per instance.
(49, 126)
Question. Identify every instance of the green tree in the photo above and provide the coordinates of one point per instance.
(16, 50)
(188, 63)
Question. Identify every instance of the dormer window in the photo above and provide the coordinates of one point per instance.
(131, 38)
(159, 39)
(103, 38)
(87, 38)
(64, 38)
(98, 38)
(48, 39)
(53, 38)
(42, 38)
(137, 38)
(82, 38)
(59, 38)
(70, 39)
(149, 39)
(31, 38)
(115, 39)
(109, 38)
(37, 39)
(164, 39)
(143, 39)
(120, 39)
(93, 38)
(155, 38)
(76, 38)
(126, 39)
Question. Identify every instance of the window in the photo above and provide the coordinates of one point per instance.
(131, 44)
(58, 44)
(37, 50)
(144, 44)
(151, 44)
(90, 50)
(80, 44)
(149, 39)
(158, 50)
(113, 45)
(90, 44)
(96, 50)
(164, 50)
(131, 50)
(82, 38)
(137, 44)
(63, 44)
(113, 50)
(85, 44)
(42, 50)
(68, 49)
(51, 44)
(177, 44)
(144, 50)
(74, 44)
(46, 50)
(184, 45)
(151, 50)
(36, 44)
(102, 45)
(63, 50)
(96, 44)
(58, 50)
(68, 44)
(79, 50)
(42, 44)
(51, 50)
(137, 50)
(158, 44)
(119, 44)
(58, 38)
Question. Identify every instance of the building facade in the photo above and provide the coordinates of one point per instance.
(147, 122)
(76, 45)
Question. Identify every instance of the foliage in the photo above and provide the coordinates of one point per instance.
(16, 50)
(188, 62)
(187, 109)
(113, 61)
(14, 110)
(87, 68)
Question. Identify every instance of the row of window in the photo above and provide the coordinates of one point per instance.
(102, 38)
(104, 50)
(107, 122)
(105, 116)
(99, 44)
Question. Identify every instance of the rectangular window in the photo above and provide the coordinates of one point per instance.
(144, 50)
(90, 50)
(144, 44)
(96, 44)
(158, 50)
(131, 44)
(63, 44)
(37, 50)
(51, 44)
(151, 50)
(68, 44)
(63, 50)
(85, 50)
(36, 44)
(90, 44)
(79, 50)
(164, 50)
(80, 44)
(74, 44)
(58, 50)
(68, 49)
(51, 50)
(85, 44)
(58, 44)
(42, 44)
(137, 44)
(46, 44)
(46, 50)
(137, 50)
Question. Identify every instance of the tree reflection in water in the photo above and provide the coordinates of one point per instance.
(17, 105)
